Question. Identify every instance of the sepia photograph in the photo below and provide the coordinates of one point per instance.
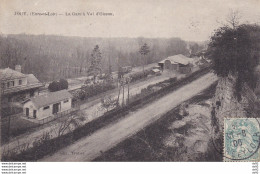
(130, 81)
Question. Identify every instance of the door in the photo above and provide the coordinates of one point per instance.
(34, 113)
(27, 112)
(55, 108)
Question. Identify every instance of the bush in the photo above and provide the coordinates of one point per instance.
(139, 75)
(54, 86)
(58, 85)
(89, 91)
(63, 84)
(234, 51)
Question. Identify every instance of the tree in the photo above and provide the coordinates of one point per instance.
(95, 63)
(233, 18)
(144, 50)
(58, 85)
(80, 57)
(69, 123)
(63, 84)
(109, 77)
(128, 81)
(234, 51)
(108, 102)
(194, 48)
(54, 86)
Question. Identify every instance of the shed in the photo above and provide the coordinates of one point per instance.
(49, 104)
(179, 63)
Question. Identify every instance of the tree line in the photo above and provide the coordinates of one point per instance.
(51, 57)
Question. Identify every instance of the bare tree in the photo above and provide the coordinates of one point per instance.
(81, 59)
(233, 18)
(108, 102)
(70, 123)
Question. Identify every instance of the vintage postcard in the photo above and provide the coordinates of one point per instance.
(130, 80)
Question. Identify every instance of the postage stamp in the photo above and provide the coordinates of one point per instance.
(241, 139)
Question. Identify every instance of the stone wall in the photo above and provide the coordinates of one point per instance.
(226, 104)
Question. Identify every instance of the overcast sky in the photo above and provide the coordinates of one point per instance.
(192, 20)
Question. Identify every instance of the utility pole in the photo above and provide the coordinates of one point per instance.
(128, 90)
(123, 83)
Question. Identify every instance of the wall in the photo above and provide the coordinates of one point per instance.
(16, 82)
(225, 104)
(24, 81)
(175, 67)
(45, 112)
(185, 69)
(31, 107)
(66, 106)
(167, 65)
(48, 112)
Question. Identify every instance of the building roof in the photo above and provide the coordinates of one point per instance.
(9, 74)
(178, 59)
(50, 98)
(31, 79)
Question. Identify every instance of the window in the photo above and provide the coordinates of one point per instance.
(34, 113)
(46, 107)
(31, 93)
(65, 101)
(10, 84)
(20, 82)
(27, 112)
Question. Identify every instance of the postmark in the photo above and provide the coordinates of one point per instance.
(241, 139)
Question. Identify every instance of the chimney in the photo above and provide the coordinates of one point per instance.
(18, 68)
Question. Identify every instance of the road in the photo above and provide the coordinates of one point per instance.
(87, 149)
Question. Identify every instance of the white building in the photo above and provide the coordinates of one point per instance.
(43, 106)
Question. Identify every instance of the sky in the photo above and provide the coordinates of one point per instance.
(193, 20)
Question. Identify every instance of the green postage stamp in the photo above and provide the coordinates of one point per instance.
(241, 139)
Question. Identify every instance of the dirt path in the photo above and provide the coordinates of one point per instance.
(102, 140)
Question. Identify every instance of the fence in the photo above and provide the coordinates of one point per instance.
(58, 115)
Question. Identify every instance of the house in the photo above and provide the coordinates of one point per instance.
(16, 86)
(46, 105)
(178, 63)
